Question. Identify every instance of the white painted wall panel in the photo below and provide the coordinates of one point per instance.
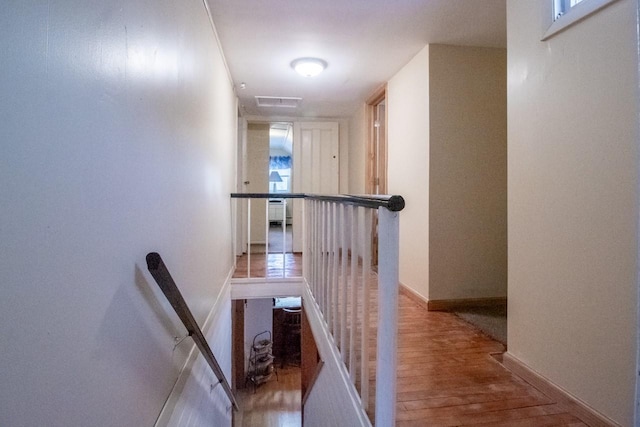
(316, 166)
(357, 152)
(199, 399)
(573, 202)
(467, 172)
(258, 177)
(117, 132)
(408, 162)
(333, 400)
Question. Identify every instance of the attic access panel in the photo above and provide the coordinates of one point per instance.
(278, 101)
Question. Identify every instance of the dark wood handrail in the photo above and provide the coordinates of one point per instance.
(159, 271)
(393, 203)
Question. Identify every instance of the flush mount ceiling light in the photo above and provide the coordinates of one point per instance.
(309, 67)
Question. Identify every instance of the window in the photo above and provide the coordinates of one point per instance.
(563, 6)
(282, 186)
(568, 12)
(280, 174)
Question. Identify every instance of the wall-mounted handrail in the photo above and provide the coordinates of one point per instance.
(393, 203)
(161, 274)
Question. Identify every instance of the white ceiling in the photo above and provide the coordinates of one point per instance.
(365, 42)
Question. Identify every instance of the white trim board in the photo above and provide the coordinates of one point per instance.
(330, 354)
(262, 288)
(575, 15)
(167, 410)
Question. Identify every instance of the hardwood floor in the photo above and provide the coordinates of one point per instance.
(274, 404)
(271, 266)
(449, 374)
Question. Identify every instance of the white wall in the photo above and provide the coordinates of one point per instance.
(408, 163)
(117, 129)
(573, 202)
(344, 130)
(467, 172)
(198, 398)
(357, 151)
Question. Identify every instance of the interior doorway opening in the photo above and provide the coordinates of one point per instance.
(266, 166)
(376, 179)
(280, 181)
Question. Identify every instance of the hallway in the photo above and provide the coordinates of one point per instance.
(449, 375)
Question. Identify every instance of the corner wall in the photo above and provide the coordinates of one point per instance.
(467, 172)
(408, 166)
(117, 129)
(357, 151)
(573, 202)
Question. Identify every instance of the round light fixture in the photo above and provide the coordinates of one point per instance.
(309, 67)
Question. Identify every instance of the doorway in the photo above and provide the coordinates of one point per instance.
(376, 179)
(269, 165)
(280, 173)
(267, 375)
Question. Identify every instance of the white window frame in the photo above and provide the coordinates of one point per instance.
(565, 17)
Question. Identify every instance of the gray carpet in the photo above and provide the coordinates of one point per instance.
(490, 320)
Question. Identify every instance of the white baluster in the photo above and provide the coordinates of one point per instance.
(354, 295)
(388, 249)
(365, 250)
(248, 238)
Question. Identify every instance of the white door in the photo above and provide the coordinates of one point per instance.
(258, 178)
(242, 180)
(316, 166)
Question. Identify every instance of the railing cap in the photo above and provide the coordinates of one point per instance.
(394, 203)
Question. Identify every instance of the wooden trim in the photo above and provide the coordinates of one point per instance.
(414, 296)
(574, 405)
(450, 304)
(315, 376)
(368, 121)
(378, 95)
(456, 304)
(237, 332)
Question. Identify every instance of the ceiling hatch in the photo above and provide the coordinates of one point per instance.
(278, 101)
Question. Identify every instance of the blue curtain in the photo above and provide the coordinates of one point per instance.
(280, 162)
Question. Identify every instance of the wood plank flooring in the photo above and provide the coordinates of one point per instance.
(449, 374)
(274, 404)
(272, 266)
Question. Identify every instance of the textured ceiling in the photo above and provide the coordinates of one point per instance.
(365, 42)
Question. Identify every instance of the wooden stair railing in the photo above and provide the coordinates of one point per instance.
(161, 274)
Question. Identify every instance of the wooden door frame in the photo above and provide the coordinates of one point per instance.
(237, 332)
(371, 103)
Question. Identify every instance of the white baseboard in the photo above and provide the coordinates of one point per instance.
(574, 405)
